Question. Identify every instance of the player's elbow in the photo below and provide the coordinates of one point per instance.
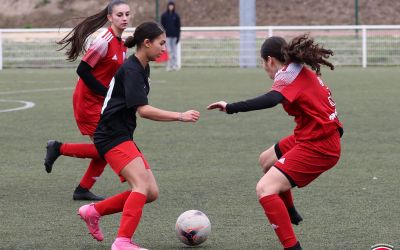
(144, 111)
(142, 114)
(79, 71)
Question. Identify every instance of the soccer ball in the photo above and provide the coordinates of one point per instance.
(193, 227)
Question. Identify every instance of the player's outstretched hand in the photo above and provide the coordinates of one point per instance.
(221, 105)
(190, 116)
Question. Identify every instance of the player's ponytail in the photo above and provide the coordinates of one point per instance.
(130, 42)
(302, 49)
(77, 37)
(146, 30)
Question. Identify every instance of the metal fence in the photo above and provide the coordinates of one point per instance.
(372, 45)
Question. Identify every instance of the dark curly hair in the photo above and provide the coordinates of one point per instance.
(300, 49)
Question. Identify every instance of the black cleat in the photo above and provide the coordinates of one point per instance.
(52, 153)
(295, 217)
(295, 247)
(86, 196)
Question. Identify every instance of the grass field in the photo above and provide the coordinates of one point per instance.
(211, 165)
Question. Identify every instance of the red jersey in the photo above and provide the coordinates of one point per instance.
(309, 100)
(105, 55)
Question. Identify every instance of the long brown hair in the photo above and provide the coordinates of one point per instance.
(77, 37)
(300, 49)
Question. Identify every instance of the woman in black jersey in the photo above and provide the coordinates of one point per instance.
(127, 95)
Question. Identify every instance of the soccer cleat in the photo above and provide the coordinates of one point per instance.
(89, 214)
(122, 243)
(52, 153)
(295, 247)
(86, 196)
(295, 217)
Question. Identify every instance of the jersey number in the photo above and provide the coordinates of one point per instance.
(334, 115)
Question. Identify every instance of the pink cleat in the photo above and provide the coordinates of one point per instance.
(89, 214)
(122, 243)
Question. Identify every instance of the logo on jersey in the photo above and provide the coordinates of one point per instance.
(282, 160)
(333, 116)
(382, 247)
(115, 58)
(274, 226)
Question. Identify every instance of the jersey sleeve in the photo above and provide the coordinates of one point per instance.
(97, 50)
(135, 89)
(284, 81)
(267, 100)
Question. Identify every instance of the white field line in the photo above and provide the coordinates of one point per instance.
(26, 105)
(55, 89)
(33, 91)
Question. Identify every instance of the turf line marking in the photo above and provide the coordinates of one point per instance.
(27, 105)
(33, 91)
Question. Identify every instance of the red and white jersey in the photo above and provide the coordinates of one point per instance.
(105, 55)
(309, 100)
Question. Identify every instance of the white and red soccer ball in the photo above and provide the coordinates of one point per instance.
(193, 227)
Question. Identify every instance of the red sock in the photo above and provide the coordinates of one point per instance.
(79, 150)
(287, 198)
(112, 205)
(278, 216)
(131, 214)
(96, 167)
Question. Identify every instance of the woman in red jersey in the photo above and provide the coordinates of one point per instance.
(313, 148)
(102, 59)
(113, 138)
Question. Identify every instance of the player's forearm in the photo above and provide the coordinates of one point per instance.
(267, 100)
(156, 114)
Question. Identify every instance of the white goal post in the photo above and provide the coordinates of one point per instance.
(361, 45)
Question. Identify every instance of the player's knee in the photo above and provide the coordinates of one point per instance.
(260, 189)
(265, 167)
(264, 188)
(266, 160)
(152, 193)
(261, 160)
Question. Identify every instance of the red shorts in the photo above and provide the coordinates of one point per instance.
(87, 128)
(302, 162)
(121, 155)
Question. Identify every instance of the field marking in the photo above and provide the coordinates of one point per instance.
(53, 89)
(158, 81)
(33, 91)
(27, 105)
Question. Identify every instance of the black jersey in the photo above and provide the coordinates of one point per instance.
(128, 90)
